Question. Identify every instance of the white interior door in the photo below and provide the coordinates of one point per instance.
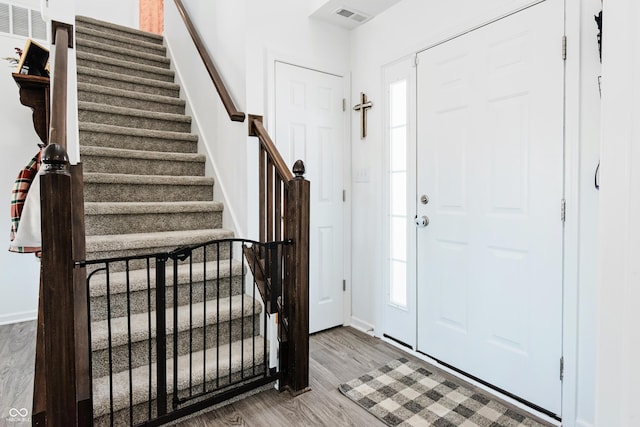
(490, 160)
(309, 123)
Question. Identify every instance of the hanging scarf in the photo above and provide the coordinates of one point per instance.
(19, 195)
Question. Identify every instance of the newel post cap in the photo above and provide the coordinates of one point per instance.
(55, 159)
(298, 169)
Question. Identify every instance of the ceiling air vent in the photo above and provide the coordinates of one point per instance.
(353, 15)
(21, 21)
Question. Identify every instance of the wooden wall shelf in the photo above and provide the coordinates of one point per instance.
(34, 93)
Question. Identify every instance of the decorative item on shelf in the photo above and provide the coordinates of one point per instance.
(14, 61)
(34, 60)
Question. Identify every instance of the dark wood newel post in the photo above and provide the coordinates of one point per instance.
(58, 298)
(297, 297)
(62, 385)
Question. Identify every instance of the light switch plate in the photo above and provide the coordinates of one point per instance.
(361, 175)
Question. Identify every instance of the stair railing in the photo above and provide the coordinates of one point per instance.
(284, 215)
(284, 201)
(62, 383)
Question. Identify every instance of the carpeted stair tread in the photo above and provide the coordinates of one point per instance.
(88, 92)
(99, 62)
(111, 178)
(139, 154)
(110, 187)
(93, 34)
(174, 239)
(235, 317)
(236, 307)
(87, 22)
(127, 82)
(119, 208)
(144, 217)
(155, 163)
(141, 298)
(138, 278)
(132, 117)
(243, 353)
(121, 53)
(147, 139)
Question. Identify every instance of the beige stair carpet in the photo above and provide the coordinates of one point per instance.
(146, 192)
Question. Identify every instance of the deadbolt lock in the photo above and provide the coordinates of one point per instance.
(424, 199)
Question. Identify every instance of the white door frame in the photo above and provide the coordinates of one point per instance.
(572, 165)
(274, 57)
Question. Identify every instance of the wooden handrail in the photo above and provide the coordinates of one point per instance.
(62, 383)
(234, 114)
(257, 129)
(62, 39)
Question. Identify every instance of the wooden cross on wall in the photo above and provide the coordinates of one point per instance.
(363, 107)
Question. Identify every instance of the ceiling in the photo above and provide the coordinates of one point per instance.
(353, 12)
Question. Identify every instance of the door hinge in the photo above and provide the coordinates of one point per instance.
(563, 210)
(415, 61)
(564, 48)
(344, 286)
(344, 104)
(561, 368)
(344, 195)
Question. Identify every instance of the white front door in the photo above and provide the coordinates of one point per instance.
(490, 161)
(310, 125)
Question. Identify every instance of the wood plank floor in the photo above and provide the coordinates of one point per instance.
(17, 358)
(337, 356)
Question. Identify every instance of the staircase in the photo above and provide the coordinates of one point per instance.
(146, 192)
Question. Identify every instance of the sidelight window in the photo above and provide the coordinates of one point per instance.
(398, 217)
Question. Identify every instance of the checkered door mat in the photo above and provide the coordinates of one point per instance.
(402, 393)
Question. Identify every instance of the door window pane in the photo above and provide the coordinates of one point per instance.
(398, 187)
(398, 101)
(398, 148)
(397, 176)
(398, 288)
(399, 238)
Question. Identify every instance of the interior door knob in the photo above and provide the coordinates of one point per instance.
(422, 221)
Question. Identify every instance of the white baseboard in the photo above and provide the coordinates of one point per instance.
(583, 423)
(361, 325)
(25, 316)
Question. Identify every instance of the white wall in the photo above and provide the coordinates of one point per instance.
(618, 342)
(413, 25)
(20, 272)
(122, 12)
(244, 38)
(222, 25)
